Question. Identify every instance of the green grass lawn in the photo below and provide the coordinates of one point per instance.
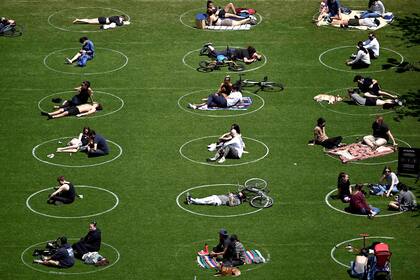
(139, 75)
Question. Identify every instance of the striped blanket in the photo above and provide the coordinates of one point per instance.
(383, 22)
(242, 105)
(235, 28)
(358, 151)
(207, 262)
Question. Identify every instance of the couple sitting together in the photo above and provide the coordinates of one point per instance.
(226, 16)
(228, 95)
(229, 145)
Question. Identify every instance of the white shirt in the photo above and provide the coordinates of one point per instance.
(392, 180)
(372, 45)
(361, 55)
(233, 98)
(237, 143)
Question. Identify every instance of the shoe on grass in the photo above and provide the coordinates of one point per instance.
(68, 61)
(222, 160)
(192, 106)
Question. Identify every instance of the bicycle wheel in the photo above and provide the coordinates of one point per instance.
(256, 183)
(236, 66)
(206, 66)
(204, 51)
(248, 83)
(261, 202)
(272, 86)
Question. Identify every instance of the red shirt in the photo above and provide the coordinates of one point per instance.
(358, 201)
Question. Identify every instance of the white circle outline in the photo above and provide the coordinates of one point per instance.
(209, 215)
(73, 166)
(82, 31)
(89, 117)
(244, 71)
(87, 73)
(357, 70)
(354, 239)
(219, 116)
(357, 215)
(366, 163)
(200, 9)
(68, 273)
(223, 165)
(350, 114)
(117, 201)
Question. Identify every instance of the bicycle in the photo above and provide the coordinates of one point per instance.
(211, 65)
(263, 85)
(256, 190)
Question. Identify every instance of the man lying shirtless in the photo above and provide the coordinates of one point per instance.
(78, 111)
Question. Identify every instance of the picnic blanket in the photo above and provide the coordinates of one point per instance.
(358, 151)
(242, 105)
(207, 262)
(383, 22)
(234, 28)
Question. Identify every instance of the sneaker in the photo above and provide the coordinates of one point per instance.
(192, 106)
(38, 261)
(212, 147)
(50, 156)
(208, 44)
(252, 20)
(374, 214)
(68, 61)
(222, 160)
(212, 159)
(188, 198)
(44, 114)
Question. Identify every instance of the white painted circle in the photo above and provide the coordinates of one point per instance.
(90, 117)
(326, 106)
(367, 163)
(117, 201)
(75, 166)
(247, 65)
(218, 116)
(181, 19)
(60, 271)
(119, 12)
(357, 215)
(223, 165)
(182, 194)
(357, 70)
(350, 240)
(87, 73)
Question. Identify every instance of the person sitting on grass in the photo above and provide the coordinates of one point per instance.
(375, 9)
(86, 53)
(362, 58)
(78, 111)
(215, 20)
(64, 193)
(62, 258)
(84, 95)
(321, 137)
(380, 134)
(230, 145)
(231, 199)
(235, 254)
(221, 248)
(359, 267)
(6, 25)
(358, 204)
(105, 22)
(368, 100)
(344, 187)
(77, 144)
(371, 88)
(329, 10)
(228, 95)
(97, 145)
(90, 243)
(405, 201)
(247, 55)
(372, 45)
(391, 183)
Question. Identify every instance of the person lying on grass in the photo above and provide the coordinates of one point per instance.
(77, 144)
(358, 204)
(371, 88)
(229, 145)
(215, 20)
(368, 100)
(228, 95)
(86, 53)
(105, 22)
(64, 193)
(62, 258)
(321, 137)
(231, 199)
(405, 200)
(78, 111)
(247, 55)
(6, 24)
(84, 95)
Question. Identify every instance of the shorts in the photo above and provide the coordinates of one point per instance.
(102, 20)
(222, 13)
(72, 111)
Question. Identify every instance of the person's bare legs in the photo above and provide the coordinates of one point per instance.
(74, 58)
(69, 149)
(230, 6)
(86, 20)
(393, 205)
(57, 112)
(229, 15)
(386, 94)
(240, 22)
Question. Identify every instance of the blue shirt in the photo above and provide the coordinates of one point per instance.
(101, 143)
(89, 47)
(333, 7)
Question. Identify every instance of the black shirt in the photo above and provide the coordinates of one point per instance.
(344, 189)
(241, 53)
(92, 240)
(64, 255)
(71, 193)
(116, 19)
(380, 130)
(370, 101)
(365, 84)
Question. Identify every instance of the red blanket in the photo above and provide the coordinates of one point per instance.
(357, 151)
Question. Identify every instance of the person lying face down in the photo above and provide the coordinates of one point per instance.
(247, 55)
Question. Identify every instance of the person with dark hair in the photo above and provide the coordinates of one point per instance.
(370, 87)
(391, 181)
(78, 111)
(247, 55)
(329, 10)
(77, 144)
(97, 145)
(380, 134)
(64, 192)
(105, 22)
(344, 187)
(321, 137)
(372, 45)
(6, 24)
(230, 145)
(362, 58)
(228, 10)
(62, 258)
(87, 52)
(84, 94)
(221, 248)
(214, 18)
(368, 100)
(230, 199)
(358, 204)
(90, 243)
(405, 200)
(375, 9)
(236, 253)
